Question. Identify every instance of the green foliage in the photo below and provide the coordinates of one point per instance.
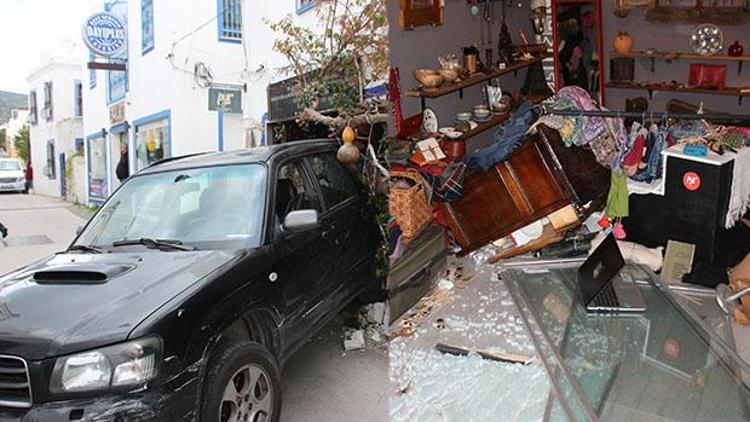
(339, 61)
(3, 133)
(22, 144)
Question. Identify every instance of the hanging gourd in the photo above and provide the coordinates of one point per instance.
(348, 153)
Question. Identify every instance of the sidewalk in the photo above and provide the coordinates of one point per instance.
(37, 227)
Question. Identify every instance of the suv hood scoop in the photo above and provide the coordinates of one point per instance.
(78, 274)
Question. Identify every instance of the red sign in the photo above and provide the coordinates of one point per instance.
(691, 181)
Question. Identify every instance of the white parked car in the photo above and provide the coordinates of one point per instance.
(12, 175)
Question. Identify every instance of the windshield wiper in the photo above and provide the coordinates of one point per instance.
(155, 244)
(85, 248)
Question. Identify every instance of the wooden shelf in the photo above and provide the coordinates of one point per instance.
(678, 56)
(449, 88)
(729, 91)
(495, 120)
(673, 56)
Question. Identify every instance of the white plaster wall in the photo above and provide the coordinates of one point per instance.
(257, 16)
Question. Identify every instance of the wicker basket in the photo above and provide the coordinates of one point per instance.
(410, 207)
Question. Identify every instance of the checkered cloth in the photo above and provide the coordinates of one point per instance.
(449, 186)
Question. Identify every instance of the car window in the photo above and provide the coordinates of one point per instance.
(292, 193)
(336, 183)
(10, 165)
(210, 207)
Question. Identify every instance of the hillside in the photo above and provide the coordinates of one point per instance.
(9, 101)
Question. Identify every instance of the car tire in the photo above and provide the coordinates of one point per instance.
(235, 363)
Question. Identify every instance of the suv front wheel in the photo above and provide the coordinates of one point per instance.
(243, 385)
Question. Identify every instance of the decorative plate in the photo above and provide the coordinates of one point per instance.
(707, 39)
(429, 121)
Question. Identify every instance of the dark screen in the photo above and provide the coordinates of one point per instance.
(599, 268)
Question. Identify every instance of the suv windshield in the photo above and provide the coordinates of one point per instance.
(216, 207)
(10, 165)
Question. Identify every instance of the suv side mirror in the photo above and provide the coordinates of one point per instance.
(301, 220)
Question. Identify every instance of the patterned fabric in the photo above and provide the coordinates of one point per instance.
(447, 187)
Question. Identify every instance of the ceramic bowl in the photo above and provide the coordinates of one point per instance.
(450, 75)
(428, 78)
(464, 116)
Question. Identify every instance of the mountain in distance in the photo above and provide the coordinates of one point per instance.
(10, 101)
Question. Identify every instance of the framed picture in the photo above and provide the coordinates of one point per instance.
(304, 5)
(414, 13)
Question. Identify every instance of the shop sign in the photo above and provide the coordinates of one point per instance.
(105, 34)
(282, 99)
(117, 113)
(692, 181)
(226, 100)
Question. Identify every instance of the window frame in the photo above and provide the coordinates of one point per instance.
(301, 162)
(226, 34)
(147, 21)
(33, 108)
(77, 98)
(47, 109)
(328, 209)
(50, 168)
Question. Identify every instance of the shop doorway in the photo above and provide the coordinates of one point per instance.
(119, 150)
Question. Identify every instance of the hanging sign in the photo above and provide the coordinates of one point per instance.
(226, 100)
(105, 34)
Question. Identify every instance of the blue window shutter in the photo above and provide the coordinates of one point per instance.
(77, 99)
(230, 20)
(147, 26)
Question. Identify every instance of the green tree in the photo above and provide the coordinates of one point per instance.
(3, 147)
(22, 144)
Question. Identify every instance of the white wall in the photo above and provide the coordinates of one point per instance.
(64, 127)
(257, 16)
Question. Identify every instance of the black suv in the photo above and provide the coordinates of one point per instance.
(186, 292)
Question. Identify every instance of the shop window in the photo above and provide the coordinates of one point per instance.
(78, 98)
(152, 142)
(147, 26)
(49, 169)
(292, 193)
(92, 72)
(336, 183)
(230, 21)
(47, 110)
(97, 166)
(32, 108)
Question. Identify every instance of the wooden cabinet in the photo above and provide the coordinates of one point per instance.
(531, 184)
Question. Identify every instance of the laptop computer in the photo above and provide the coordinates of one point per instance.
(602, 288)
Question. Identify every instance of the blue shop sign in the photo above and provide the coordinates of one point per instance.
(105, 34)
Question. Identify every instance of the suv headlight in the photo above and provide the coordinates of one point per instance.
(131, 363)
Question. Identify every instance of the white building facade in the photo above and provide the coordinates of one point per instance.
(184, 57)
(55, 123)
(181, 55)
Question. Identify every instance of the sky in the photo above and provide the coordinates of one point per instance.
(21, 44)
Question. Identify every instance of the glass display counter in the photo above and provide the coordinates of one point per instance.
(675, 362)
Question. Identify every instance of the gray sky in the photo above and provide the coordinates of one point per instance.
(29, 26)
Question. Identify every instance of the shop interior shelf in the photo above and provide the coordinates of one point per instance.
(672, 56)
(730, 91)
(496, 119)
(678, 56)
(470, 81)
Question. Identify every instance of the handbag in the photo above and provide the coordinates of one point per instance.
(410, 206)
(707, 76)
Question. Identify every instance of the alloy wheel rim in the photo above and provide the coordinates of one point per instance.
(248, 396)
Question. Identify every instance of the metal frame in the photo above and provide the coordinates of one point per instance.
(17, 405)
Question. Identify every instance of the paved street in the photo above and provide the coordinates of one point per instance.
(37, 226)
(321, 382)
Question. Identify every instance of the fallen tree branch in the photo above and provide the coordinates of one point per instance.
(338, 123)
